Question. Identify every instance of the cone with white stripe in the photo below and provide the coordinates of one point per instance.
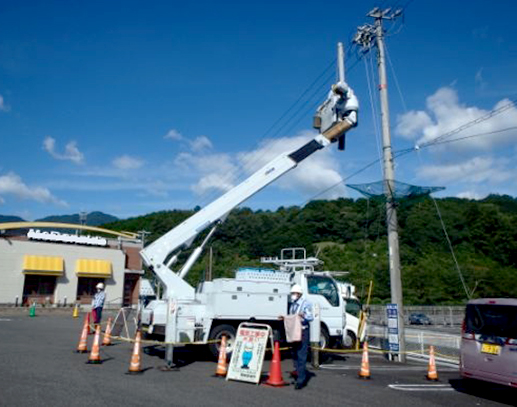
(432, 374)
(135, 366)
(106, 341)
(222, 365)
(83, 342)
(364, 373)
(95, 356)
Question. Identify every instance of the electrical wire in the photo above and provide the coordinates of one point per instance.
(373, 103)
(465, 126)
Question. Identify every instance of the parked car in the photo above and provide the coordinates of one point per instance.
(419, 319)
(489, 341)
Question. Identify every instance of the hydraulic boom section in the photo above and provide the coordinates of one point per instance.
(336, 116)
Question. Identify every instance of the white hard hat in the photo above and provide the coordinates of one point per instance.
(100, 286)
(296, 289)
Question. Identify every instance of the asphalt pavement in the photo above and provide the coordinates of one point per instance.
(38, 367)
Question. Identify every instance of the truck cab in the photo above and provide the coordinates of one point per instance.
(319, 288)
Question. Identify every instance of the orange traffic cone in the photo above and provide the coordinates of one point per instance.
(89, 322)
(222, 365)
(95, 357)
(364, 373)
(432, 374)
(275, 371)
(83, 342)
(135, 366)
(106, 341)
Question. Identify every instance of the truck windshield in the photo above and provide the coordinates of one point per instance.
(324, 286)
(353, 307)
(485, 319)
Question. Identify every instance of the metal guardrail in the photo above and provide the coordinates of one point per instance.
(440, 315)
(418, 341)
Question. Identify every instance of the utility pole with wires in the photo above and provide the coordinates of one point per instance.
(367, 36)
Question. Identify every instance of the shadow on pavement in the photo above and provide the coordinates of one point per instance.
(485, 390)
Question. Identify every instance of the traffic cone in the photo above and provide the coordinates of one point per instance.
(83, 342)
(432, 374)
(364, 373)
(135, 366)
(76, 311)
(222, 365)
(95, 357)
(275, 371)
(89, 326)
(106, 341)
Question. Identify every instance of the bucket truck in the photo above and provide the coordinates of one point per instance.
(186, 314)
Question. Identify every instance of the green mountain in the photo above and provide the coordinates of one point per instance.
(351, 236)
(7, 218)
(92, 219)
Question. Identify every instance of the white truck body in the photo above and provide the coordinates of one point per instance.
(253, 295)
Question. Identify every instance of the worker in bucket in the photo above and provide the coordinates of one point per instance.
(98, 303)
(300, 350)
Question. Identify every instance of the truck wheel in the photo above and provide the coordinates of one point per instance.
(324, 338)
(216, 335)
(350, 340)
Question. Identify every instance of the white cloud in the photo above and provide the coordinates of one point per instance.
(173, 135)
(479, 80)
(412, 123)
(3, 106)
(201, 143)
(71, 153)
(12, 184)
(445, 113)
(214, 171)
(126, 162)
(470, 195)
(476, 170)
(313, 175)
(220, 172)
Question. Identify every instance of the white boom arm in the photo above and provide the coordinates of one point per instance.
(344, 105)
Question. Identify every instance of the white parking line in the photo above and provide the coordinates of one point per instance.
(421, 387)
(386, 368)
(5, 319)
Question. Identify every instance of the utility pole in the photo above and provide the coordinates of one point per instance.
(365, 37)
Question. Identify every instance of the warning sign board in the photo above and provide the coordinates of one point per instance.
(248, 353)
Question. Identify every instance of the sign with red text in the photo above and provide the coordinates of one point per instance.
(248, 354)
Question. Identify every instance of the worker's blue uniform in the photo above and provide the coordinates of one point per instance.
(301, 349)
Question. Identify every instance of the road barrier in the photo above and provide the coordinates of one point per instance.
(447, 345)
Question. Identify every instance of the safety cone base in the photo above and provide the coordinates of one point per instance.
(81, 351)
(168, 368)
(94, 362)
(364, 377)
(275, 384)
(134, 373)
(275, 378)
(432, 379)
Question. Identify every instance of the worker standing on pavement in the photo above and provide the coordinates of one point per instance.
(98, 303)
(301, 306)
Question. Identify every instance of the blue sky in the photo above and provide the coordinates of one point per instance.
(135, 107)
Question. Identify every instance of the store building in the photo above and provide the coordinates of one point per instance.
(57, 269)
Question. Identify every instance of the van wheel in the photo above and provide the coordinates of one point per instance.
(350, 340)
(217, 334)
